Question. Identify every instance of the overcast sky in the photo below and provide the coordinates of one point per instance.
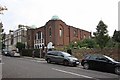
(83, 14)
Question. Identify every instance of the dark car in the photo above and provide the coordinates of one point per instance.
(100, 62)
(61, 57)
(6, 53)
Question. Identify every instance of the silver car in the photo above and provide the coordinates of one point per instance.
(14, 54)
(61, 57)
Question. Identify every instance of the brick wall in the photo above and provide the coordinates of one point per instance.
(109, 52)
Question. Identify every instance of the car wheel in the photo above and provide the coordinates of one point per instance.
(48, 60)
(117, 70)
(66, 63)
(86, 66)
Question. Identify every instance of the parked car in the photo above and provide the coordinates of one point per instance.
(100, 62)
(6, 53)
(15, 54)
(61, 57)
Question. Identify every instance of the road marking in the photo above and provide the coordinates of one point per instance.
(72, 73)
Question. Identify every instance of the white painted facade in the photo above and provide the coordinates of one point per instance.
(39, 42)
(12, 38)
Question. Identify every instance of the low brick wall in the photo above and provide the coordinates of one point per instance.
(114, 53)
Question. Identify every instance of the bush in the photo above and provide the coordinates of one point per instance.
(28, 52)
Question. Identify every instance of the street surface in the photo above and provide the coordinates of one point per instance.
(14, 67)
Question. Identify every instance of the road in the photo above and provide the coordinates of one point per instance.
(31, 68)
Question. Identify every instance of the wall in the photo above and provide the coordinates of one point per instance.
(109, 52)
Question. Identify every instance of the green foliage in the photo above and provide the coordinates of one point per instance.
(101, 35)
(20, 46)
(116, 36)
(111, 44)
(71, 45)
(88, 43)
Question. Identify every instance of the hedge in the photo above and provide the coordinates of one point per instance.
(28, 52)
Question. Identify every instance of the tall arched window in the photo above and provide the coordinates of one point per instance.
(84, 36)
(60, 32)
(39, 35)
(50, 32)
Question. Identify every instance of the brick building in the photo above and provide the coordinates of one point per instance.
(55, 31)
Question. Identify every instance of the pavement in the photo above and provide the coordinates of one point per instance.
(39, 59)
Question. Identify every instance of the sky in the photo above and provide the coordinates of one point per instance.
(83, 14)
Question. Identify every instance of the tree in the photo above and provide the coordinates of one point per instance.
(116, 37)
(20, 46)
(111, 44)
(1, 25)
(101, 35)
(2, 9)
(90, 43)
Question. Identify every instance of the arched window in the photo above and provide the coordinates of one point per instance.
(84, 36)
(50, 32)
(60, 32)
(75, 32)
(39, 35)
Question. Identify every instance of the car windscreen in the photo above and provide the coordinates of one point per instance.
(66, 54)
(110, 58)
